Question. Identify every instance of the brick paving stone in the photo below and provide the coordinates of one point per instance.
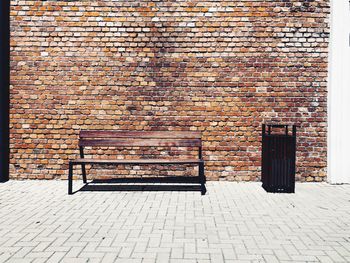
(74, 260)
(234, 222)
(324, 259)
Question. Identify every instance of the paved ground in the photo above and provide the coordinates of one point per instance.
(234, 222)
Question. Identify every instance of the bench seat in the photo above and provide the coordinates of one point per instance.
(137, 161)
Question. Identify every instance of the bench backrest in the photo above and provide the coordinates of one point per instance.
(140, 138)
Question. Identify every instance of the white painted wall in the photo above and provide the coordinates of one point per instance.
(339, 94)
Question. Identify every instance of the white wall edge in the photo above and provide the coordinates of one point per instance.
(338, 154)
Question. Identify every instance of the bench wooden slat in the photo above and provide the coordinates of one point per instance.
(125, 142)
(139, 161)
(141, 134)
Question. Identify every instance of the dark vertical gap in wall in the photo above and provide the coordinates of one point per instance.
(4, 88)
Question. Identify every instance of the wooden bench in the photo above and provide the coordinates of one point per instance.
(138, 139)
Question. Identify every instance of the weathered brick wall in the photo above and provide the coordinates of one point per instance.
(220, 67)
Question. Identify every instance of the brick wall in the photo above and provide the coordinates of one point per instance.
(220, 67)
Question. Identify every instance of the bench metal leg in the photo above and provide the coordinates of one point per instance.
(70, 179)
(202, 178)
(83, 171)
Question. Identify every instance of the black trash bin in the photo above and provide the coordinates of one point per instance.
(278, 158)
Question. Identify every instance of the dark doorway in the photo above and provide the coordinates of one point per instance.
(4, 88)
